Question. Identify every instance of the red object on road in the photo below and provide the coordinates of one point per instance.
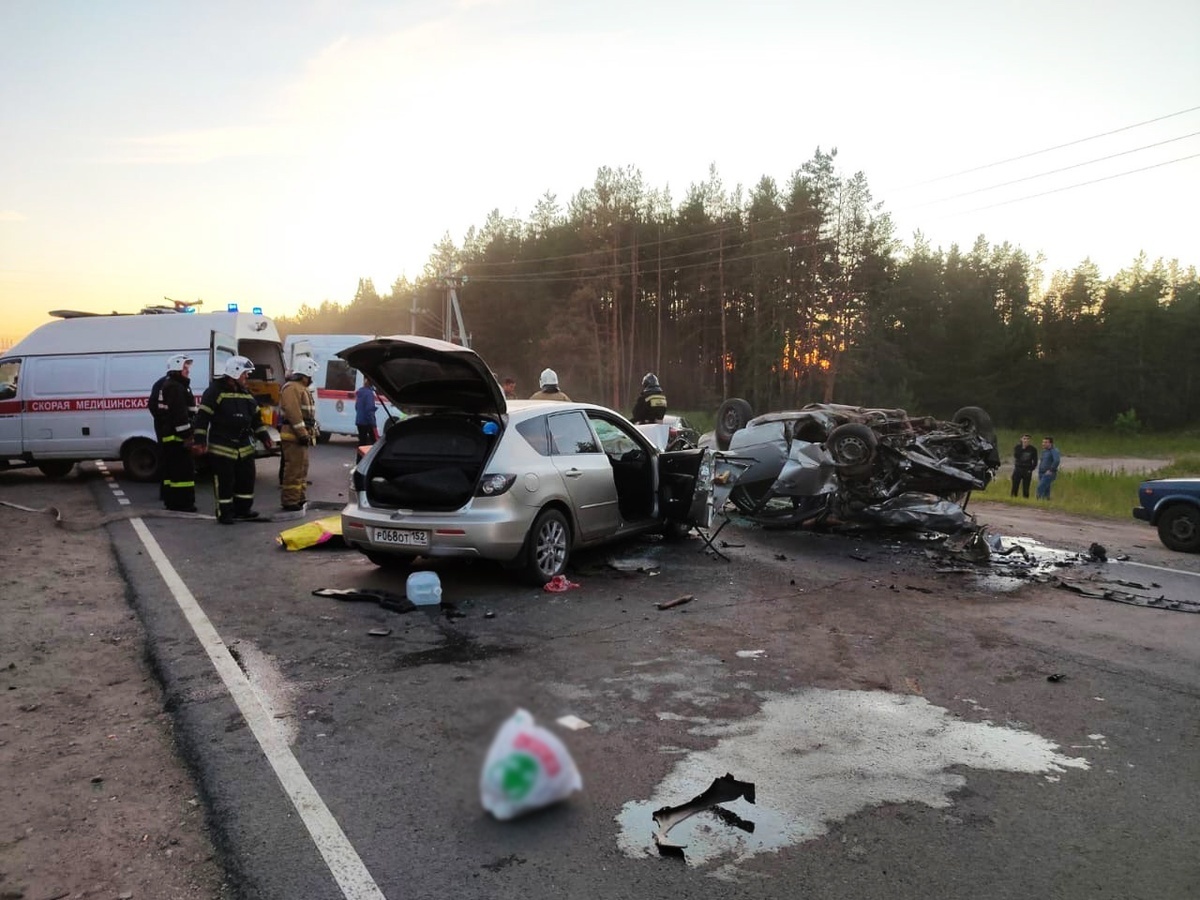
(560, 583)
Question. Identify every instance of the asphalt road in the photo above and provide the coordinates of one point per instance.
(893, 710)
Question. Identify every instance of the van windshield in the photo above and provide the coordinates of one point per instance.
(9, 370)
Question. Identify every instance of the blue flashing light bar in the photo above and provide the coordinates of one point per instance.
(230, 307)
(257, 310)
(189, 309)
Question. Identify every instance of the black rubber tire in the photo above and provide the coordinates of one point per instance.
(389, 561)
(547, 547)
(852, 446)
(732, 416)
(141, 459)
(56, 468)
(975, 418)
(323, 437)
(1179, 528)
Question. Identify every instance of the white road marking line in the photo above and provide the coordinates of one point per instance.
(123, 502)
(1126, 562)
(340, 856)
(118, 492)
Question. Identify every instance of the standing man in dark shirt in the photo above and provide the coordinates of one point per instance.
(364, 414)
(173, 406)
(1025, 460)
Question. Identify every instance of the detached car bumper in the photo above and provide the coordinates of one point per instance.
(1140, 512)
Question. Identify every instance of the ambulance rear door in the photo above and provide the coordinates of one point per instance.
(221, 347)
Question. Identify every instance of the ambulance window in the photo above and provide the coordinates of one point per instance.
(339, 376)
(135, 373)
(9, 370)
(65, 376)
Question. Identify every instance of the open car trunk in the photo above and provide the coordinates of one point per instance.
(430, 463)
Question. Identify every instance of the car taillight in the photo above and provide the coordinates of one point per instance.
(494, 485)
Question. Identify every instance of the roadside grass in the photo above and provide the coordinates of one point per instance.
(1106, 443)
(1091, 493)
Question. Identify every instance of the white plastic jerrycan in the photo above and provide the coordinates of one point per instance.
(424, 588)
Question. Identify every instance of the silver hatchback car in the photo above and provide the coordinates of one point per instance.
(467, 474)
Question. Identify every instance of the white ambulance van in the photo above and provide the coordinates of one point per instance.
(76, 388)
(335, 383)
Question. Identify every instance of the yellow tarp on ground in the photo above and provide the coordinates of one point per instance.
(310, 534)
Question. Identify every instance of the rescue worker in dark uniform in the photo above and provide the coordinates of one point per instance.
(226, 424)
(297, 432)
(651, 404)
(173, 406)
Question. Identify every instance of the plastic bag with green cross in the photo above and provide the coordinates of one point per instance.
(527, 767)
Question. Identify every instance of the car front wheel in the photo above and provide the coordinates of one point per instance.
(548, 547)
(1179, 529)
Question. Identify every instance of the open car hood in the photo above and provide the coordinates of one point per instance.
(422, 374)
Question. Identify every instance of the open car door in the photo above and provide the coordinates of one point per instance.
(694, 484)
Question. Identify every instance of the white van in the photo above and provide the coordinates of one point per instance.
(335, 383)
(76, 388)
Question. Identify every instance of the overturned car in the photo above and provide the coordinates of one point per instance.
(829, 461)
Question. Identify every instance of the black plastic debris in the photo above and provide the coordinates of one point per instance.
(388, 600)
(1056, 677)
(723, 790)
(1098, 552)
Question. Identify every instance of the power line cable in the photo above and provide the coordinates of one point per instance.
(1182, 137)
(1032, 153)
(1069, 187)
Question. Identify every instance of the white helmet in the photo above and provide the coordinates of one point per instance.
(548, 378)
(306, 366)
(237, 366)
(177, 362)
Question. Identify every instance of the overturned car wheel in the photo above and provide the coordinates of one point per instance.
(732, 416)
(852, 447)
(976, 419)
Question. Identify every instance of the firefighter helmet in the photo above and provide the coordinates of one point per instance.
(237, 366)
(177, 362)
(306, 366)
(548, 378)
(650, 382)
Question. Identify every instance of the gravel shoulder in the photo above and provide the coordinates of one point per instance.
(98, 800)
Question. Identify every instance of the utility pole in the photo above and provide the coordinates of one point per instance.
(453, 312)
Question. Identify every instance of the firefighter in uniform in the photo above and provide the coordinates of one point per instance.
(548, 387)
(173, 406)
(226, 425)
(651, 404)
(297, 432)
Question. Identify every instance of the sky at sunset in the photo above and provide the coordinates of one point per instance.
(272, 153)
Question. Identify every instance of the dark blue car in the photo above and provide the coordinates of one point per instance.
(1173, 504)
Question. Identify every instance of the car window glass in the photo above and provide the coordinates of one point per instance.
(9, 371)
(534, 432)
(613, 439)
(570, 434)
(339, 376)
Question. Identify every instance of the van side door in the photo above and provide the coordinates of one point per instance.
(64, 406)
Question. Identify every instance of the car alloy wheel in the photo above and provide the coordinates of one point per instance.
(549, 546)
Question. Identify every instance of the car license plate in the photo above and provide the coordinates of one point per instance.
(402, 537)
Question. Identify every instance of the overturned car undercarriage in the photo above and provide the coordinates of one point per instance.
(838, 463)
